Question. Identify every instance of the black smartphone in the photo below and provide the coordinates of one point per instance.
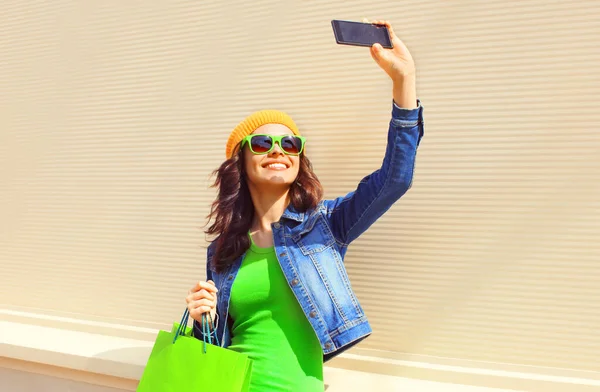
(361, 34)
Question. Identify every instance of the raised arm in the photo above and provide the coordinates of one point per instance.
(354, 213)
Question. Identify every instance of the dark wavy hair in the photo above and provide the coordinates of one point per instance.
(232, 211)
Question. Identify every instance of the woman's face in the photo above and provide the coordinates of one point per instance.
(274, 168)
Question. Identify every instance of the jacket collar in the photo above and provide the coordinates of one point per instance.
(293, 214)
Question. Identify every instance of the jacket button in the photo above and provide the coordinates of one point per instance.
(276, 225)
(327, 346)
(313, 314)
(295, 282)
(283, 254)
(230, 277)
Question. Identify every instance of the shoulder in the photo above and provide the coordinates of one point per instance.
(320, 209)
(329, 205)
(211, 247)
(321, 212)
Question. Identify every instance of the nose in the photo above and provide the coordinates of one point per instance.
(276, 150)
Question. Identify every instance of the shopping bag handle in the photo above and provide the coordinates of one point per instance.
(207, 322)
(205, 328)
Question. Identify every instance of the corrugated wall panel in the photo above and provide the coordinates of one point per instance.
(113, 114)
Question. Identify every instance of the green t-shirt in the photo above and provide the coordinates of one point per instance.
(270, 327)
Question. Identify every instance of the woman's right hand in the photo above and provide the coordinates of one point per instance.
(202, 299)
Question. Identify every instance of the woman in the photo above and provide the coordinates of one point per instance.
(276, 263)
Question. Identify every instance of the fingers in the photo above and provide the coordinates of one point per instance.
(387, 24)
(202, 299)
(202, 306)
(208, 286)
(374, 52)
(202, 290)
(199, 308)
(380, 55)
(202, 294)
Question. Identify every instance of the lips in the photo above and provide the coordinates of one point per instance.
(274, 165)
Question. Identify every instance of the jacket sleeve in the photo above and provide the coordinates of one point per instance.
(353, 214)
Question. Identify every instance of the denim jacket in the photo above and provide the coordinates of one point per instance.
(311, 245)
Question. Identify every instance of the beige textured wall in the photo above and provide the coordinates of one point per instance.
(113, 114)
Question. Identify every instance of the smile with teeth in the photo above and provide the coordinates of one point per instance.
(276, 166)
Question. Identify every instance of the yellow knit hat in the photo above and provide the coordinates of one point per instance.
(253, 122)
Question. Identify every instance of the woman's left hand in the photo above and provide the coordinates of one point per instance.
(400, 67)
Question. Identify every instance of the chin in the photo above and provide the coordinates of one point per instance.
(276, 181)
(279, 181)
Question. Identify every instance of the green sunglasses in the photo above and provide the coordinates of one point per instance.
(264, 144)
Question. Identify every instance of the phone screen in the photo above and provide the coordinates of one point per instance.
(360, 34)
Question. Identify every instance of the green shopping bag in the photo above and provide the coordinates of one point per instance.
(180, 362)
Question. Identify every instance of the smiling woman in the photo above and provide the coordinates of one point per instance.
(266, 168)
(276, 260)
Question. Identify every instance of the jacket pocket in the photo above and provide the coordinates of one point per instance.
(314, 236)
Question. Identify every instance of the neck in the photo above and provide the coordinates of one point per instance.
(269, 206)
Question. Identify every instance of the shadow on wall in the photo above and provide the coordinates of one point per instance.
(125, 363)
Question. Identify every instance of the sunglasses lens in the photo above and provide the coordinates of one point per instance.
(261, 144)
(291, 144)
